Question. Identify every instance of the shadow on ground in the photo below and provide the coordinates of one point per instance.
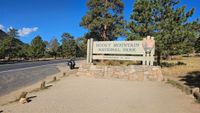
(192, 79)
(76, 67)
(29, 99)
(171, 64)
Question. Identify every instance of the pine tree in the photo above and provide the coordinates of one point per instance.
(104, 19)
(142, 22)
(54, 46)
(81, 47)
(197, 42)
(69, 46)
(25, 52)
(174, 34)
(11, 45)
(12, 32)
(197, 45)
(166, 22)
(37, 47)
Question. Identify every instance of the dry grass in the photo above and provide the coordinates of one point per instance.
(192, 64)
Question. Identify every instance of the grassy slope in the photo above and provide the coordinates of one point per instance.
(192, 64)
(188, 74)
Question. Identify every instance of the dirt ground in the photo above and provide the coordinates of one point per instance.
(90, 95)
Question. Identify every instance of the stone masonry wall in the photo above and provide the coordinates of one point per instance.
(132, 72)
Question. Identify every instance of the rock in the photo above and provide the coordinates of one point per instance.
(196, 89)
(23, 100)
(141, 78)
(146, 73)
(188, 90)
(155, 68)
(131, 77)
(197, 95)
(165, 79)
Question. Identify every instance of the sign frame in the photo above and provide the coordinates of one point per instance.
(122, 50)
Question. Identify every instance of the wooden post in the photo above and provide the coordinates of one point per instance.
(91, 50)
(152, 56)
(148, 59)
(144, 58)
(152, 53)
(88, 51)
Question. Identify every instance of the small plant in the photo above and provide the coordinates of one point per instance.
(167, 64)
(180, 63)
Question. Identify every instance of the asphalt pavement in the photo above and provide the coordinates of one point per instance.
(16, 66)
(15, 76)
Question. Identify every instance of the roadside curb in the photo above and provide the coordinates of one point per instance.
(195, 92)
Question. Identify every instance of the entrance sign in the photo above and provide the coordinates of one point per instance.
(122, 50)
(117, 47)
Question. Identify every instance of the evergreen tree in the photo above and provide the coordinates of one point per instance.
(2, 36)
(174, 34)
(166, 22)
(12, 32)
(10, 47)
(69, 46)
(37, 47)
(25, 52)
(197, 42)
(104, 19)
(81, 47)
(142, 22)
(197, 45)
(11, 44)
(54, 46)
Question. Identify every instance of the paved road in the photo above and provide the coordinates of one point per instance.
(8, 67)
(15, 76)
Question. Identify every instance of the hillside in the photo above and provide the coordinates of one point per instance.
(2, 35)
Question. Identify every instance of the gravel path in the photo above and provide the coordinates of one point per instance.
(90, 95)
(11, 81)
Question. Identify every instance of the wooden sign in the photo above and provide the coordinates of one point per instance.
(122, 50)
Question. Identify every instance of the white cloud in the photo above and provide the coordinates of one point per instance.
(26, 31)
(8, 29)
(1, 27)
(22, 32)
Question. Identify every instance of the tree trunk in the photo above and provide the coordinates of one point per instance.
(105, 26)
(9, 51)
(158, 57)
(55, 56)
(104, 33)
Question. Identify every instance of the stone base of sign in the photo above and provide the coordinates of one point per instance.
(132, 72)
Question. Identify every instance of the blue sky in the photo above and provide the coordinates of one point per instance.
(49, 18)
